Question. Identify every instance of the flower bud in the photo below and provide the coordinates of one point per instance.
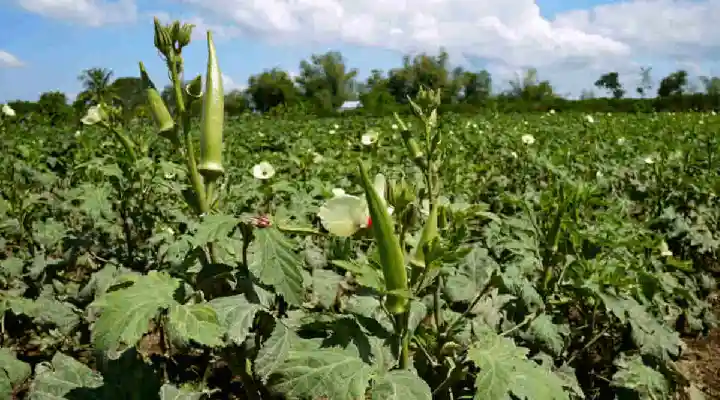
(184, 35)
(163, 42)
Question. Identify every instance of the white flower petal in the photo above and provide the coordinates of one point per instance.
(8, 111)
(344, 215)
(263, 170)
(528, 139)
(93, 116)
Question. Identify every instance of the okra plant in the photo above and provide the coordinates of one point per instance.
(454, 274)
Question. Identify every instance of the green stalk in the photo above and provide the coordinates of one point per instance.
(401, 323)
(194, 175)
(126, 142)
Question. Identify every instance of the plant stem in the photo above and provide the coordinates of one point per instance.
(401, 323)
(587, 346)
(467, 312)
(195, 178)
(125, 141)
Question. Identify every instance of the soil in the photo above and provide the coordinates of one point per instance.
(701, 361)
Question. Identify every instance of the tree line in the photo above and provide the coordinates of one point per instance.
(325, 83)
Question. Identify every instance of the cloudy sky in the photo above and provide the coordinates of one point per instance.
(44, 44)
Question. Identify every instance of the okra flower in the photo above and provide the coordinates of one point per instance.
(345, 214)
(94, 115)
(665, 249)
(8, 111)
(528, 139)
(369, 138)
(263, 171)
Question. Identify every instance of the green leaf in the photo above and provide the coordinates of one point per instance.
(171, 392)
(400, 385)
(95, 200)
(126, 313)
(650, 335)
(520, 286)
(505, 370)
(369, 308)
(236, 315)
(47, 310)
(332, 374)
(326, 285)
(62, 376)
(364, 274)
(473, 273)
(14, 373)
(12, 267)
(275, 350)
(543, 330)
(489, 309)
(48, 233)
(101, 281)
(127, 376)
(418, 312)
(567, 374)
(214, 228)
(633, 374)
(196, 322)
(273, 261)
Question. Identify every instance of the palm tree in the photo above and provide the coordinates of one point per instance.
(96, 84)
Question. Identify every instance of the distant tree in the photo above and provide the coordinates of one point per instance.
(711, 85)
(423, 70)
(96, 85)
(236, 102)
(270, 89)
(530, 88)
(325, 80)
(476, 86)
(127, 93)
(374, 94)
(54, 105)
(673, 84)
(611, 82)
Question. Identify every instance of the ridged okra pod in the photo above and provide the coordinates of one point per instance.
(391, 254)
(213, 114)
(160, 113)
(429, 233)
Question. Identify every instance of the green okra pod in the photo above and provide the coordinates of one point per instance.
(413, 148)
(213, 114)
(391, 254)
(163, 120)
(429, 232)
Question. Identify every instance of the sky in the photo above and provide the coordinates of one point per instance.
(45, 44)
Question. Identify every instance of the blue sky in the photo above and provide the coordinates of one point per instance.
(54, 43)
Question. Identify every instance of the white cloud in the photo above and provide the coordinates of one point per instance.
(8, 60)
(229, 84)
(508, 31)
(507, 34)
(89, 12)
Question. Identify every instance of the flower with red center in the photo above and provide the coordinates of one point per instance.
(344, 215)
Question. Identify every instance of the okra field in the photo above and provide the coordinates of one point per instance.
(433, 256)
